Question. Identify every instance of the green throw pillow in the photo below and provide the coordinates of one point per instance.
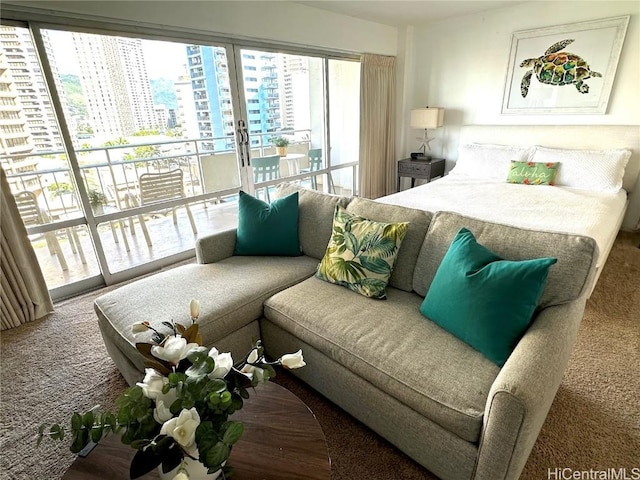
(482, 299)
(265, 229)
(533, 173)
(361, 253)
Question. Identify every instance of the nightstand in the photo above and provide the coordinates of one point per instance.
(418, 168)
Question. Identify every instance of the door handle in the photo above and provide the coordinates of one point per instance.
(240, 141)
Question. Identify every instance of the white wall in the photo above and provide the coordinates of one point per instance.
(461, 64)
(266, 20)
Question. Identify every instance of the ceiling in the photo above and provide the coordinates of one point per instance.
(399, 13)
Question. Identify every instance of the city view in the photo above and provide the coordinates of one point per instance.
(140, 109)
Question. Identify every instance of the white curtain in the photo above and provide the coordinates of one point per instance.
(377, 125)
(24, 295)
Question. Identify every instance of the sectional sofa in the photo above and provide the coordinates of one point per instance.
(427, 392)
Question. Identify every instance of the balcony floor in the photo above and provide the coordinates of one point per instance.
(167, 239)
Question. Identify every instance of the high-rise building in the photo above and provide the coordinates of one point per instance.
(22, 74)
(186, 118)
(208, 71)
(116, 84)
(294, 91)
(27, 120)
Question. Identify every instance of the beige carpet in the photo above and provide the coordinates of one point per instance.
(56, 365)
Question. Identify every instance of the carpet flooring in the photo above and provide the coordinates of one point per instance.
(56, 365)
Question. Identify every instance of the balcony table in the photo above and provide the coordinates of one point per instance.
(293, 162)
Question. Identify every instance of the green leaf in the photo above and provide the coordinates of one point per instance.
(76, 422)
(351, 242)
(96, 434)
(216, 455)
(232, 432)
(143, 462)
(87, 420)
(375, 264)
(80, 440)
(203, 364)
(56, 432)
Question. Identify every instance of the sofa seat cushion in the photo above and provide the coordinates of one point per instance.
(390, 344)
(231, 294)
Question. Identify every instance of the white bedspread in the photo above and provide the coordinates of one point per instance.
(539, 207)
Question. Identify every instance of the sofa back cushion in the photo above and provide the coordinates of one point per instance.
(402, 275)
(569, 279)
(315, 217)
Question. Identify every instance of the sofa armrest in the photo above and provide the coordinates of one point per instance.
(523, 391)
(216, 247)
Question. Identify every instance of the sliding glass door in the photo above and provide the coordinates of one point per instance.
(123, 149)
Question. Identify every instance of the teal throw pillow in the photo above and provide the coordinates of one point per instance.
(361, 253)
(265, 229)
(484, 300)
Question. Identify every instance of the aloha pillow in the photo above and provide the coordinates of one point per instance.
(484, 300)
(533, 173)
(361, 253)
(595, 170)
(265, 229)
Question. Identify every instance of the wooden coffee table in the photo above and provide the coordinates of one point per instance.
(282, 440)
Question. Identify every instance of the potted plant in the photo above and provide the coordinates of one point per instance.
(177, 417)
(281, 144)
(97, 199)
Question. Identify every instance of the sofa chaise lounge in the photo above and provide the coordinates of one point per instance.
(427, 392)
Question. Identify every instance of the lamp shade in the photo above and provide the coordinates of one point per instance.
(429, 117)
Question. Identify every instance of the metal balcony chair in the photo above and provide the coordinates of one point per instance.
(315, 164)
(32, 214)
(265, 169)
(158, 187)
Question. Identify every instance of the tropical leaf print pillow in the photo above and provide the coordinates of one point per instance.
(361, 253)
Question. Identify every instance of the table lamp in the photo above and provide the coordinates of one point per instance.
(428, 117)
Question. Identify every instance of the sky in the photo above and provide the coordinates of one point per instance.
(163, 59)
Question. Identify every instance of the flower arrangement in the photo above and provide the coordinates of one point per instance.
(179, 414)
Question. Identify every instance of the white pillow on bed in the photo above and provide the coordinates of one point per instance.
(595, 170)
(479, 160)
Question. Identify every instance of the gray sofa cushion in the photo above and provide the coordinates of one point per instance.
(315, 217)
(231, 294)
(568, 279)
(402, 275)
(391, 345)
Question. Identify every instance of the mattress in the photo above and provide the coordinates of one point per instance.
(539, 207)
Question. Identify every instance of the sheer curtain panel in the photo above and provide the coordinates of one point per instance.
(23, 290)
(377, 125)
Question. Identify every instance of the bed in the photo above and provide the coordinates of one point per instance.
(597, 170)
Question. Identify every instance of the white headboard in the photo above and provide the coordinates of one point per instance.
(587, 137)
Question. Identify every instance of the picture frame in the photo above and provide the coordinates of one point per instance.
(570, 68)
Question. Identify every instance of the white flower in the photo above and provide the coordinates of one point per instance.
(174, 349)
(183, 429)
(251, 371)
(181, 476)
(162, 413)
(139, 327)
(194, 308)
(223, 362)
(152, 383)
(293, 360)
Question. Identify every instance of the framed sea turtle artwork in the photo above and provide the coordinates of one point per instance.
(565, 69)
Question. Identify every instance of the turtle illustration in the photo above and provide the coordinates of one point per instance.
(558, 68)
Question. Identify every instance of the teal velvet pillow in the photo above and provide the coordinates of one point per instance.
(265, 229)
(484, 300)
